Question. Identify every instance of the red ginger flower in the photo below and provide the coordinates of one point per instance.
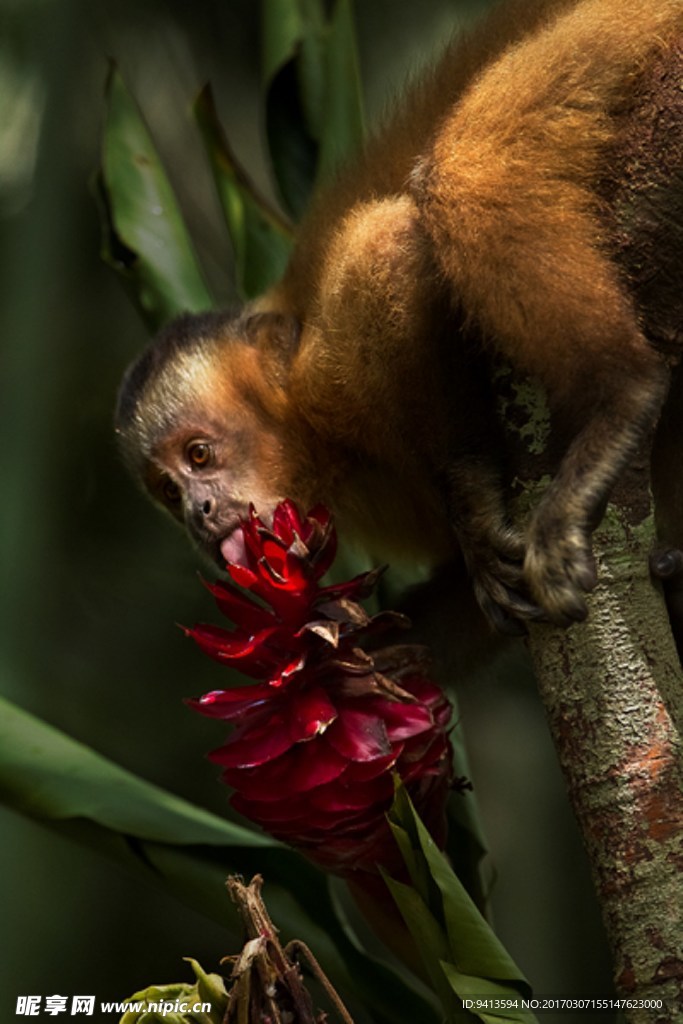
(318, 739)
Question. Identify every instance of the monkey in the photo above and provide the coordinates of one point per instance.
(480, 222)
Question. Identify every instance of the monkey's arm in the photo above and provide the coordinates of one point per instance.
(508, 194)
(580, 338)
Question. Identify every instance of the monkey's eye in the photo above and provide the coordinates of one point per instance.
(199, 453)
(170, 492)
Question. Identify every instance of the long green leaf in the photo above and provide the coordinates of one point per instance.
(470, 956)
(261, 239)
(144, 235)
(68, 787)
(48, 775)
(432, 943)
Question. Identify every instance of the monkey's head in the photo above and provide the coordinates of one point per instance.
(202, 421)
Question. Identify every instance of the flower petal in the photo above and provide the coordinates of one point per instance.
(230, 704)
(240, 609)
(255, 744)
(321, 515)
(364, 771)
(326, 630)
(287, 521)
(283, 570)
(266, 812)
(311, 711)
(301, 768)
(242, 576)
(402, 720)
(321, 539)
(359, 736)
(339, 796)
(248, 653)
(359, 587)
(313, 765)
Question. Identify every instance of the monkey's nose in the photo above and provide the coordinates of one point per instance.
(203, 513)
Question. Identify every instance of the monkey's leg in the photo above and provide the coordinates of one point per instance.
(553, 567)
(525, 260)
(558, 564)
(472, 475)
(493, 552)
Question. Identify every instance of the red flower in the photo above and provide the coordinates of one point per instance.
(317, 741)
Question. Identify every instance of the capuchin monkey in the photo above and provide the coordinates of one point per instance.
(500, 214)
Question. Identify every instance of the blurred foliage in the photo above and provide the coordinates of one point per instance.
(261, 237)
(95, 579)
(144, 234)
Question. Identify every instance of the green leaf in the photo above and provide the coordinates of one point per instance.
(57, 781)
(468, 987)
(208, 988)
(47, 775)
(447, 926)
(292, 61)
(343, 129)
(430, 940)
(260, 237)
(289, 25)
(476, 949)
(144, 235)
(313, 95)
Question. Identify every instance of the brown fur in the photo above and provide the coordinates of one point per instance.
(473, 221)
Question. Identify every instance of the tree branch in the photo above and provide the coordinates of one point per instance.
(613, 693)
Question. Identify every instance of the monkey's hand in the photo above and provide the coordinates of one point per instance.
(496, 565)
(493, 551)
(559, 566)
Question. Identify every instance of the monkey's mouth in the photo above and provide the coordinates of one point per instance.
(233, 548)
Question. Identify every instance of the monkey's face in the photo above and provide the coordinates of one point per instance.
(202, 419)
(207, 474)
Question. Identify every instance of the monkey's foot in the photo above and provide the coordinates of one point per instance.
(559, 568)
(496, 565)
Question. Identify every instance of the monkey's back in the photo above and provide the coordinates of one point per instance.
(643, 189)
(384, 166)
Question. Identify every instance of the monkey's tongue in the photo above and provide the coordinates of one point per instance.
(233, 548)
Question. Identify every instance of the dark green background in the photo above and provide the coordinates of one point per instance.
(94, 580)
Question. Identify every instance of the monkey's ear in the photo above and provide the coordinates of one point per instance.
(278, 333)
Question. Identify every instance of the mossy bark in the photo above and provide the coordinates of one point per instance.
(612, 687)
(613, 693)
